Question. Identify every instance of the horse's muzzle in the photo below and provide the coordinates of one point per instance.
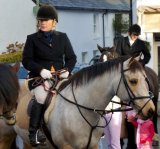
(149, 114)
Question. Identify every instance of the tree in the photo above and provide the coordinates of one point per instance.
(120, 24)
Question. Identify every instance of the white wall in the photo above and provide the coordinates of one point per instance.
(79, 27)
(17, 21)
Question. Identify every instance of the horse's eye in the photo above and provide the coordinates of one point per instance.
(133, 81)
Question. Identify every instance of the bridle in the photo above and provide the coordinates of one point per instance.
(131, 95)
(9, 116)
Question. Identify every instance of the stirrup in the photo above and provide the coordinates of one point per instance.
(40, 138)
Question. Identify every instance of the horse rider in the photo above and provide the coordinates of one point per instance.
(45, 49)
(131, 45)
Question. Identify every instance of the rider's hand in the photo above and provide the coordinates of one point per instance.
(64, 74)
(45, 74)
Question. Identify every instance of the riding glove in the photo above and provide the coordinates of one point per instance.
(45, 74)
(64, 74)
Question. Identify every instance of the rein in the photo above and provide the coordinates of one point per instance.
(131, 94)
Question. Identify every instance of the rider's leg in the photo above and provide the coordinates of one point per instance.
(35, 135)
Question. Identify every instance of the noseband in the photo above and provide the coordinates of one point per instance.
(9, 117)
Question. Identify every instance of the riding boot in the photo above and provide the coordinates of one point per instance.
(36, 136)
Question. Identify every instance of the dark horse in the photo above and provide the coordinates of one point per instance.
(108, 53)
(9, 91)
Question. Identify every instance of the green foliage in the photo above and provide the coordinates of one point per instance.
(148, 45)
(120, 25)
(11, 57)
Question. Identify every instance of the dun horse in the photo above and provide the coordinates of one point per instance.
(109, 53)
(76, 118)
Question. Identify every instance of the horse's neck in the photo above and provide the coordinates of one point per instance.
(23, 89)
(99, 91)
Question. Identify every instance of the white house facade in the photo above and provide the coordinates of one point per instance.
(85, 31)
(17, 21)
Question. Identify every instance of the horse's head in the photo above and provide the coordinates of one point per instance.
(134, 79)
(107, 53)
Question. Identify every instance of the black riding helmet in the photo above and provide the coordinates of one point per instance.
(47, 12)
(135, 29)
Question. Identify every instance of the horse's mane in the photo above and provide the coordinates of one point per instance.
(87, 74)
(9, 86)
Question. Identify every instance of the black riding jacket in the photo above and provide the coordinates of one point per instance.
(39, 53)
(123, 47)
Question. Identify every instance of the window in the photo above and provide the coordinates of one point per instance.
(95, 52)
(156, 36)
(84, 57)
(96, 24)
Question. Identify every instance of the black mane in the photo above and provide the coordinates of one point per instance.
(87, 74)
(9, 86)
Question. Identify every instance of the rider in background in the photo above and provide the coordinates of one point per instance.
(131, 45)
(45, 49)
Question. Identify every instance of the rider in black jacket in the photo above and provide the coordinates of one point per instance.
(43, 50)
(131, 44)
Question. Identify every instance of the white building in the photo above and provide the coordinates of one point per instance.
(17, 21)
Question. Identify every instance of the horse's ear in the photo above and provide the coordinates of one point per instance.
(130, 60)
(126, 63)
(137, 56)
(100, 48)
(15, 67)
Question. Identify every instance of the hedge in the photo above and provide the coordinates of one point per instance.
(11, 57)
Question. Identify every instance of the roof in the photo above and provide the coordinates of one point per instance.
(149, 9)
(107, 5)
